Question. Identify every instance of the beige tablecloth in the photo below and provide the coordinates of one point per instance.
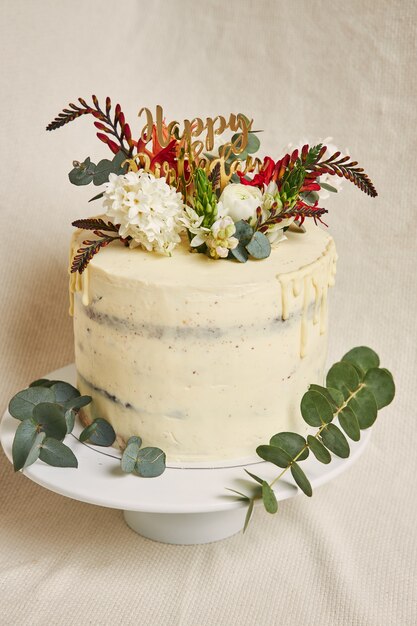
(301, 69)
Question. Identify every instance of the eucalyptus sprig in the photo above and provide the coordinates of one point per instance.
(47, 410)
(356, 388)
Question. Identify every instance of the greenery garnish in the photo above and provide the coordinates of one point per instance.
(356, 388)
(47, 410)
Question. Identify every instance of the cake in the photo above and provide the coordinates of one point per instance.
(204, 360)
(202, 324)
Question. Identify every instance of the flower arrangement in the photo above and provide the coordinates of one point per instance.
(170, 181)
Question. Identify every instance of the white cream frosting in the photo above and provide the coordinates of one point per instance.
(203, 358)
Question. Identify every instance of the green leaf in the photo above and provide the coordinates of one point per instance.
(349, 422)
(301, 479)
(333, 396)
(22, 404)
(239, 253)
(135, 439)
(77, 403)
(146, 462)
(35, 450)
(56, 453)
(344, 377)
(130, 455)
(41, 382)
(363, 404)
(335, 441)
(274, 455)
(315, 409)
(99, 433)
(242, 496)
(269, 499)
(381, 383)
(363, 358)
(150, 462)
(255, 477)
(99, 195)
(253, 144)
(82, 174)
(64, 392)
(320, 452)
(328, 187)
(23, 441)
(292, 443)
(70, 420)
(244, 232)
(103, 170)
(51, 419)
(310, 197)
(259, 246)
(248, 514)
(117, 163)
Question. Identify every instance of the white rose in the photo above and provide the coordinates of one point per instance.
(240, 201)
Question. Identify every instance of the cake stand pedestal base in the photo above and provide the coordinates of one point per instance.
(186, 528)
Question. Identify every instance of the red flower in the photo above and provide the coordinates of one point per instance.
(263, 177)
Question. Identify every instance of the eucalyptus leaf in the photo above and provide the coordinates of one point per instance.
(320, 452)
(103, 170)
(41, 382)
(328, 187)
(51, 419)
(274, 455)
(239, 253)
(310, 197)
(363, 358)
(363, 404)
(130, 455)
(301, 479)
(333, 396)
(135, 439)
(381, 383)
(344, 377)
(150, 462)
(292, 443)
(255, 477)
(21, 406)
(64, 392)
(77, 403)
(335, 441)
(83, 173)
(349, 423)
(35, 450)
(244, 232)
(259, 246)
(269, 499)
(117, 161)
(23, 441)
(248, 514)
(99, 433)
(70, 420)
(316, 409)
(56, 453)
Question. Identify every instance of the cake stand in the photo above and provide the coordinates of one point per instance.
(185, 505)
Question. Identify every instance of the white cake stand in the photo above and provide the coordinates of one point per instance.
(185, 505)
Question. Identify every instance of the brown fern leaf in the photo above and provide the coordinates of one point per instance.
(214, 176)
(95, 223)
(345, 169)
(76, 111)
(84, 255)
(300, 212)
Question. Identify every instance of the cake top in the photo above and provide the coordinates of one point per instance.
(200, 178)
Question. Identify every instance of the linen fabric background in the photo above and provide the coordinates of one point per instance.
(301, 69)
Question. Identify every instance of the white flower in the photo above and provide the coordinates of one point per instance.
(275, 232)
(220, 239)
(240, 201)
(147, 209)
